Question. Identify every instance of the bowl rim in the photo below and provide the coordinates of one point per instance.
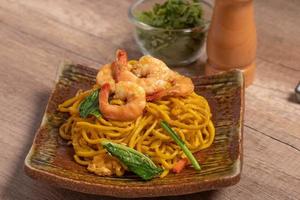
(145, 26)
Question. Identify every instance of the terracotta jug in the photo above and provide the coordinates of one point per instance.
(231, 41)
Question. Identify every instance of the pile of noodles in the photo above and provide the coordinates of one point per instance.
(190, 117)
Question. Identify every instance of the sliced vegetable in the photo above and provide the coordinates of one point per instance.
(182, 145)
(180, 165)
(90, 106)
(136, 162)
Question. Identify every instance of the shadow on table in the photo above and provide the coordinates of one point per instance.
(19, 186)
(292, 98)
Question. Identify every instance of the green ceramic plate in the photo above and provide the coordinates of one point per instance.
(51, 160)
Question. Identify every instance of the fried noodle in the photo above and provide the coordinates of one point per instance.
(189, 116)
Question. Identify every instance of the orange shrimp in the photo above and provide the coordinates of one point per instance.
(149, 73)
(121, 60)
(180, 86)
(152, 74)
(124, 90)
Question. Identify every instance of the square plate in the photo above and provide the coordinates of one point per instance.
(51, 160)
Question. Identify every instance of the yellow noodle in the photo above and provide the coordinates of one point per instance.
(117, 102)
(91, 141)
(161, 136)
(165, 173)
(133, 140)
(102, 127)
(104, 122)
(139, 145)
(165, 163)
(71, 101)
(164, 155)
(190, 117)
(79, 161)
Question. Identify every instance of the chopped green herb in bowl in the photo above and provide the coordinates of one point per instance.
(171, 30)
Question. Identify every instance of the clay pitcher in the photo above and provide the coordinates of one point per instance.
(231, 41)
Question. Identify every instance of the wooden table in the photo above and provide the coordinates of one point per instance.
(35, 36)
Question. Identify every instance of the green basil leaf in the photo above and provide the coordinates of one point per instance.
(90, 105)
(136, 162)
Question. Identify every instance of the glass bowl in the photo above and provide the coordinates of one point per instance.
(173, 46)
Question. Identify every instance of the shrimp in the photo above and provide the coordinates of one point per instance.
(135, 101)
(149, 73)
(152, 74)
(106, 73)
(181, 86)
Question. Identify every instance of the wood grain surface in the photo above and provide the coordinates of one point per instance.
(35, 36)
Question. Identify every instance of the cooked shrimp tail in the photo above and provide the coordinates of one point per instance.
(119, 67)
(116, 71)
(121, 56)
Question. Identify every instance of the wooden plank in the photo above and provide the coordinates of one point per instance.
(268, 108)
(96, 47)
(277, 25)
(278, 29)
(39, 57)
(94, 17)
(48, 31)
(267, 160)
